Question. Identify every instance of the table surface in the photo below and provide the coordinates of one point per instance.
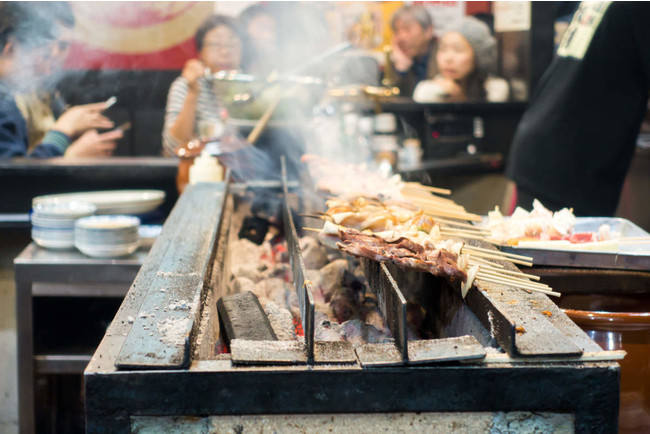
(35, 255)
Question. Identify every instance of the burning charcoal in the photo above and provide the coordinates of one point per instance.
(322, 308)
(313, 253)
(342, 306)
(353, 332)
(333, 255)
(326, 331)
(245, 251)
(292, 300)
(271, 288)
(315, 278)
(242, 284)
(358, 333)
(374, 335)
(370, 314)
(331, 275)
(355, 285)
(282, 322)
(250, 271)
(279, 271)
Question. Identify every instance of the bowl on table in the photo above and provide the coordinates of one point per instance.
(107, 236)
(53, 223)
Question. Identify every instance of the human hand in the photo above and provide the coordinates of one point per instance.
(401, 61)
(450, 87)
(81, 118)
(91, 144)
(192, 71)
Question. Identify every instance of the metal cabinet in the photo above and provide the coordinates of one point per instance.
(62, 275)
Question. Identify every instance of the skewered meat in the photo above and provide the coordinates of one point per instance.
(402, 252)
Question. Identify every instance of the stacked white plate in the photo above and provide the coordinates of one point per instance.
(53, 223)
(112, 201)
(107, 236)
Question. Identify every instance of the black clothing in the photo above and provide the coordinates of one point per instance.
(575, 141)
(423, 68)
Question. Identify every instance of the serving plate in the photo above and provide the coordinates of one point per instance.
(626, 257)
(110, 202)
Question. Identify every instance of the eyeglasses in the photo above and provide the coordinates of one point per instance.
(231, 45)
(63, 45)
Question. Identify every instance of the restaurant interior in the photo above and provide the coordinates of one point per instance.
(305, 240)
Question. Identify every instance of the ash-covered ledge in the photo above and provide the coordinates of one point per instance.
(163, 305)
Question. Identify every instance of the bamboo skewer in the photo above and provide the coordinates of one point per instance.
(313, 216)
(463, 225)
(501, 258)
(488, 278)
(514, 279)
(498, 252)
(484, 262)
(433, 200)
(474, 235)
(462, 236)
(452, 214)
(418, 186)
(502, 271)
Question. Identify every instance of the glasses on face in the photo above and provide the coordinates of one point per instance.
(63, 45)
(231, 45)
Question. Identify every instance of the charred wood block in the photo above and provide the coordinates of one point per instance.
(254, 229)
(241, 316)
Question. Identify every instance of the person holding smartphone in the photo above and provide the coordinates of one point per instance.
(36, 38)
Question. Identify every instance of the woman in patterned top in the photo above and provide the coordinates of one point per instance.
(191, 100)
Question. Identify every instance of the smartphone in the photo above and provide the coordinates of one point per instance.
(125, 126)
(109, 102)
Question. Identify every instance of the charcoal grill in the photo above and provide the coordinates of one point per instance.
(157, 367)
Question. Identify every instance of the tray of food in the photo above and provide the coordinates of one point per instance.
(561, 239)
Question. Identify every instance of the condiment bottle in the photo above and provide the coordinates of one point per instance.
(206, 168)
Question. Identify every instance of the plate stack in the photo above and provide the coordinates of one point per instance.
(112, 201)
(107, 236)
(53, 223)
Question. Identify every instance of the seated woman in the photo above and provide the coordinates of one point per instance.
(191, 99)
(466, 57)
